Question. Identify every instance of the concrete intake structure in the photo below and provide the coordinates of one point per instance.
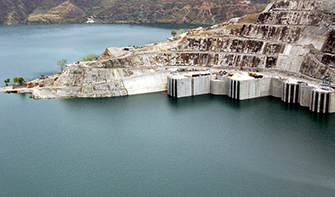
(191, 84)
(241, 86)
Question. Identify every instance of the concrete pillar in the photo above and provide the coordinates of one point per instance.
(174, 87)
(304, 95)
(325, 103)
(312, 105)
(236, 89)
(231, 92)
(169, 86)
(232, 89)
(284, 92)
(319, 102)
(331, 103)
(294, 92)
(289, 93)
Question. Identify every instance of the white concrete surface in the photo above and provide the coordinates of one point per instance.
(152, 82)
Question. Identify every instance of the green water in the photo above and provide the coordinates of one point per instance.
(152, 144)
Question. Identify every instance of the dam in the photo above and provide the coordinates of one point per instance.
(242, 85)
(291, 42)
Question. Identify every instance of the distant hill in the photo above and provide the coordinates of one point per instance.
(125, 11)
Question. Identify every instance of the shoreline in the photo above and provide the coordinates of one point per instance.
(300, 89)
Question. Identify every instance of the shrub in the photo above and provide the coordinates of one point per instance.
(21, 80)
(88, 57)
(6, 81)
(62, 63)
(18, 80)
(15, 79)
(173, 33)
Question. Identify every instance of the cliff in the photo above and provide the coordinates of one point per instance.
(125, 11)
(289, 37)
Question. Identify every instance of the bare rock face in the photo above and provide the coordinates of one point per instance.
(112, 52)
(295, 36)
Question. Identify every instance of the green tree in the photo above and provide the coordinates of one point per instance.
(15, 79)
(181, 31)
(88, 57)
(173, 33)
(62, 63)
(191, 27)
(19, 80)
(6, 81)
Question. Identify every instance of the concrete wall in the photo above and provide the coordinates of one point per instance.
(265, 86)
(242, 89)
(276, 87)
(152, 82)
(219, 87)
(331, 108)
(305, 93)
(184, 87)
(179, 86)
(201, 85)
(249, 89)
(252, 88)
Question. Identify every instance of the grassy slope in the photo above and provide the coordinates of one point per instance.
(66, 12)
(187, 11)
(125, 11)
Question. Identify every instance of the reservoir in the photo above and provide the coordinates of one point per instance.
(151, 144)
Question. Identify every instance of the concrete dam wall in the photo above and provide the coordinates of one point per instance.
(243, 87)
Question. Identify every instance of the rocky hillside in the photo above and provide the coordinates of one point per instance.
(291, 37)
(125, 11)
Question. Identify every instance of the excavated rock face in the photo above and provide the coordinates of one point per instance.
(296, 36)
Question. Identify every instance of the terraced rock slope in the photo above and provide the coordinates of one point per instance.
(289, 36)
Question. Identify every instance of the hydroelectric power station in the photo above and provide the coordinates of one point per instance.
(242, 85)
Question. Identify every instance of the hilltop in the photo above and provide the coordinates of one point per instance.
(126, 11)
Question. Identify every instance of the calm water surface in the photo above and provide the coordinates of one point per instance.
(149, 145)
